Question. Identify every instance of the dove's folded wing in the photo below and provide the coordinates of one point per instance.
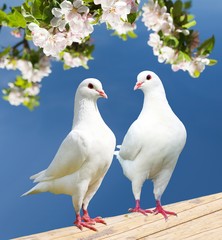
(69, 158)
(131, 145)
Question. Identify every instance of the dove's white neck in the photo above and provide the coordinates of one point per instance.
(155, 102)
(85, 111)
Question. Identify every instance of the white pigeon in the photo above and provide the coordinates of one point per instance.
(153, 143)
(84, 156)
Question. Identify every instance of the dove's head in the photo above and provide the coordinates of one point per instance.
(147, 81)
(91, 88)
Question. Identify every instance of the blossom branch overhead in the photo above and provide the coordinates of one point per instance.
(61, 30)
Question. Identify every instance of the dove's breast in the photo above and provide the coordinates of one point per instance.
(162, 145)
(101, 144)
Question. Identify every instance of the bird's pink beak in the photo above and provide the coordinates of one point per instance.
(102, 94)
(138, 85)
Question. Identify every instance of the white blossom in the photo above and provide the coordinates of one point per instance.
(55, 44)
(39, 35)
(155, 42)
(74, 61)
(73, 10)
(15, 96)
(124, 27)
(8, 63)
(59, 19)
(52, 44)
(76, 16)
(28, 72)
(197, 65)
(33, 90)
(167, 54)
(80, 26)
(67, 12)
(182, 65)
(156, 18)
(115, 14)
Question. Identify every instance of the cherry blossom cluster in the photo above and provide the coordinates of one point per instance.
(28, 84)
(164, 40)
(17, 96)
(28, 71)
(115, 14)
(73, 22)
(74, 16)
(74, 61)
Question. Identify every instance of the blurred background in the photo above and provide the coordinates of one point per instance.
(29, 140)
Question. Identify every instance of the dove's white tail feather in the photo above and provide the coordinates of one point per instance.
(34, 177)
(40, 187)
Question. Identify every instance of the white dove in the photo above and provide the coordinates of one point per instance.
(153, 143)
(84, 156)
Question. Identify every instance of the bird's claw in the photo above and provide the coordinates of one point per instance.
(165, 213)
(93, 221)
(99, 220)
(80, 225)
(140, 210)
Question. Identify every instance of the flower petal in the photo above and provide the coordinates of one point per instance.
(33, 26)
(66, 6)
(57, 12)
(83, 9)
(77, 3)
(55, 22)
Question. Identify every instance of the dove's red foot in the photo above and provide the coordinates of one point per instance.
(138, 209)
(79, 224)
(91, 221)
(159, 209)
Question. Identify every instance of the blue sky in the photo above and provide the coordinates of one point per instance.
(29, 140)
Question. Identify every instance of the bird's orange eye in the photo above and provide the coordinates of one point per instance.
(148, 77)
(90, 86)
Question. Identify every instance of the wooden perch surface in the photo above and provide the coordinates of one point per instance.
(199, 218)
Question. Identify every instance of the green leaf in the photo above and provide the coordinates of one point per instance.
(171, 41)
(32, 102)
(16, 19)
(187, 5)
(47, 14)
(206, 47)
(5, 51)
(212, 62)
(132, 34)
(182, 56)
(190, 17)
(182, 17)
(36, 9)
(5, 97)
(131, 18)
(177, 8)
(66, 67)
(3, 17)
(189, 24)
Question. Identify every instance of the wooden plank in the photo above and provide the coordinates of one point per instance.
(189, 229)
(213, 234)
(198, 212)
